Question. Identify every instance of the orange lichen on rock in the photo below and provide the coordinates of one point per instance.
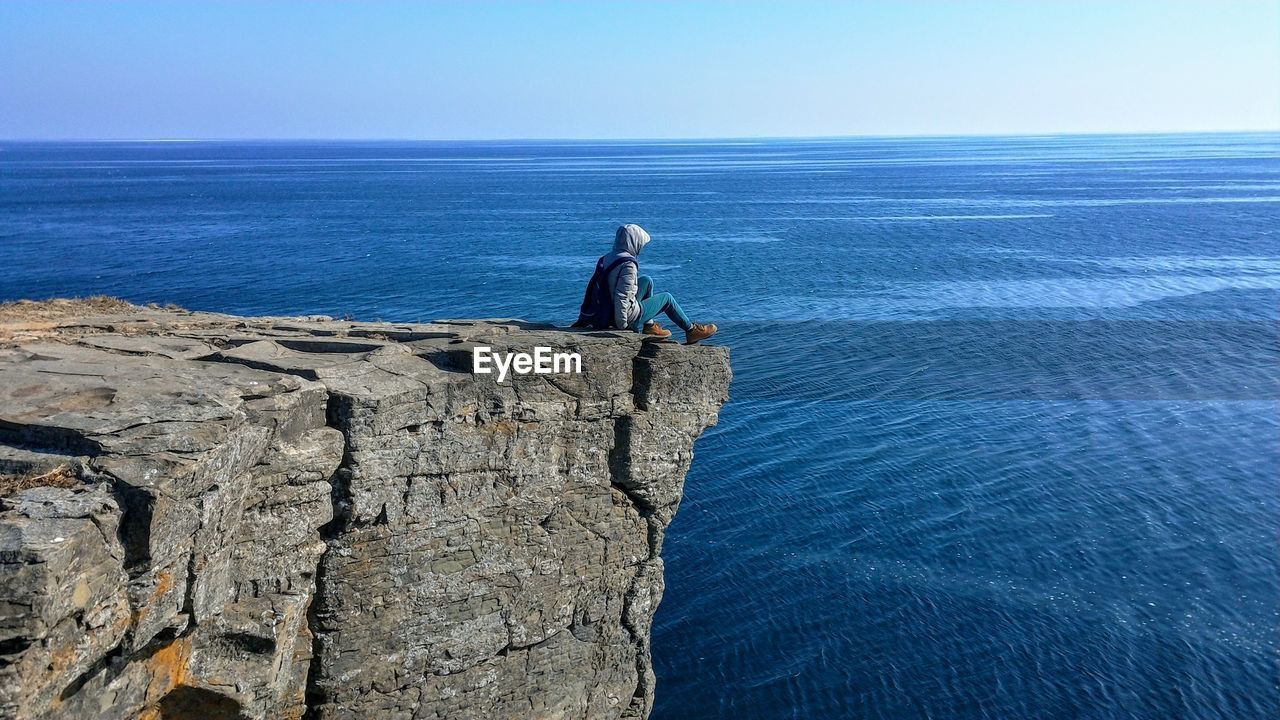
(164, 583)
(167, 668)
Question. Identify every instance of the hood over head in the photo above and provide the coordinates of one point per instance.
(630, 238)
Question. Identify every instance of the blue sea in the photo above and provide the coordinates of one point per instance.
(1004, 437)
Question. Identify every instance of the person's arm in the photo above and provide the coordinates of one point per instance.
(624, 296)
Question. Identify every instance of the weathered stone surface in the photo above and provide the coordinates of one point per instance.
(289, 516)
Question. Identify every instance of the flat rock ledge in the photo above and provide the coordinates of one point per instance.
(307, 517)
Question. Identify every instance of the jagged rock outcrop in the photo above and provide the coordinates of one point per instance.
(288, 517)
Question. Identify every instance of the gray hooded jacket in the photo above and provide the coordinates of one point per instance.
(627, 242)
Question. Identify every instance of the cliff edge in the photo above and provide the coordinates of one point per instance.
(209, 516)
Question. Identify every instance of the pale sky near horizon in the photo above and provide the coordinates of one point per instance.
(436, 70)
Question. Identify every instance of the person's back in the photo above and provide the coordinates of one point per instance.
(634, 304)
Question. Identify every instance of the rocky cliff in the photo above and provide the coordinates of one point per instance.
(211, 516)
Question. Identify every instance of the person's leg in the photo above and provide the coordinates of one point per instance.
(663, 302)
(644, 287)
(673, 311)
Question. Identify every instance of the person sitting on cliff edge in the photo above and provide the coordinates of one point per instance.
(619, 297)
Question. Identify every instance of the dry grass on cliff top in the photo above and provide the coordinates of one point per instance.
(27, 319)
(61, 476)
(61, 308)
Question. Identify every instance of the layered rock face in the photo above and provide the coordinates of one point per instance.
(289, 517)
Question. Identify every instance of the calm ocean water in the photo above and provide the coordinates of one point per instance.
(1004, 439)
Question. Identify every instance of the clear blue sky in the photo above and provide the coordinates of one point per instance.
(634, 69)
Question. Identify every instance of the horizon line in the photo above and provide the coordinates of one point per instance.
(695, 138)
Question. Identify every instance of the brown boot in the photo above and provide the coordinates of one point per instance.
(699, 332)
(656, 330)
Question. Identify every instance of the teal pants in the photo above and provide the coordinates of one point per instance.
(652, 305)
